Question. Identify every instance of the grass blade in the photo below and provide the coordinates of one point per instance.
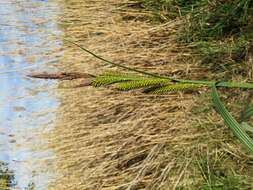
(231, 122)
(247, 127)
(246, 114)
(111, 62)
(236, 85)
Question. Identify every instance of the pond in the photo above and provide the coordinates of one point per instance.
(27, 106)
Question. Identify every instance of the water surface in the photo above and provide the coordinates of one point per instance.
(27, 106)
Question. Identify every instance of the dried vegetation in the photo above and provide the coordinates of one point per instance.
(106, 139)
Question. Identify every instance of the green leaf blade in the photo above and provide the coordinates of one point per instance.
(247, 127)
(236, 85)
(231, 122)
(247, 114)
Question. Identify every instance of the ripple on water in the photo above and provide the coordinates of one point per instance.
(27, 106)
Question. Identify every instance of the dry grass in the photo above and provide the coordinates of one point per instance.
(114, 140)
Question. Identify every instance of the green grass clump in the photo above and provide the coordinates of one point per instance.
(209, 19)
(217, 175)
(220, 56)
(221, 31)
(165, 10)
(217, 19)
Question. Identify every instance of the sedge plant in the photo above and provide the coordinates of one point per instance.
(158, 84)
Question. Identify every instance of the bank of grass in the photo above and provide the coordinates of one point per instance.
(220, 31)
(219, 34)
(135, 141)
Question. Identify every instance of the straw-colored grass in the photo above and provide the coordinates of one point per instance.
(106, 139)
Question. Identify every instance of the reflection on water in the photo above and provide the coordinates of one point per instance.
(27, 107)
